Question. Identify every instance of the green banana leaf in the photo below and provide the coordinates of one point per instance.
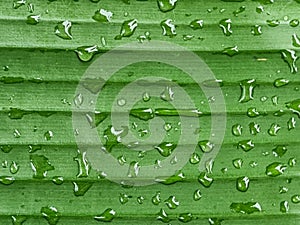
(48, 173)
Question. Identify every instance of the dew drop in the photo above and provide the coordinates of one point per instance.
(252, 112)
(127, 29)
(294, 23)
(295, 41)
(166, 5)
(163, 216)
(295, 199)
(195, 158)
(58, 180)
(185, 217)
(102, 15)
(254, 128)
(237, 163)
(225, 25)
(242, 184)
(156, 199)
(284, 206)
(14, 167)
(83, 165)
(33, 19)
(86, 53)
(292, 162)
(231, 51)
(290, 57)
(107, 216)
(274, 129)
(196, 24)
(143, 113)
(197, 195)
(63, 30)
(18, 3)
(168, 28)
(18, 220)
(281, 82)
(291, 124)
(172, 202)
(273, 23)
(7, 180)
(246, 145)
(206, 146)
(247, 90)
(165, 148)
(205, 179)
(275, 169)
(279, 150)
(246, 208)
(167, 94)
(40, 165)
(256, 30)
(81, 187)
(237, 130)
(50, 213)
(294, 106)
(48, 135)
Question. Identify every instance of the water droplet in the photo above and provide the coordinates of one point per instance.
(86, 53)
(187, 37)
(295, 199)
(30, 7)
(196, 24)
(165, 148)
(225, 25)
(273, 23)
(33, 19)
(239, 10)
(256, 30)
(96, 118)
(246, 208)
(294, 106)
(140, 199)
(6, 148)
(291, 124)
(50, 213)
(5, 68)
(146, 97)
(209, 164)
(242, 184)
(156, 198)
(102, 15)
(205, 179)
(281, 82)
(48, 135)
(112, 137)
(263, 98)
(290, 57)
(14, 167)
(40, 165)
(127, 29)
(167, 94)
(4, 164)
(246, 145)
(122, 159)
(283, 190)
(63, 30)
(81, 187)
(58, 180)
(107, 216)
(231, 51)
(172, 202)
(143, 113)
(83, 165)
(185, 217)
(294, 23)
(144, 37)
(18, 3)
(169, 29)
(206, 146)
(163, 216)
(295, 41)
(273, 130)
(178, 177)
(133, 170)
(34, 148)
(18, 220)
(292, 162)
(195, 158)
(284, 206)
(237, 163)
(215, 221)
(279, 151)
(260, 9)
(17, 133)
(275, 169)
(275, 100)
(252, 112)
(7, 180)
(279, 113)
(237, 130)
(247, 90)
(166, 5)
(197, 195)
(253, 164)
(254, 128)
(124, 198)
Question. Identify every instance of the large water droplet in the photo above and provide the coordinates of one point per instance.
(279, 150)
(246, 145)
(273, 130)
(7, 180)
(247, 88)
(242, 184)
(169, 29)
(205, 179)
(50, 213)
(166, 5)
(107, 216)
(172, 202)
(206, 146)
(102, 15)
(86, 53)
(165, 148)
(40, 165)
(237, 130)
(246, 208)
(225, 25)
(275, 169)
(63, 30)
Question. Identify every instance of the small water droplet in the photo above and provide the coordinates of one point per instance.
(122, 159)
(7, 180)
(18, 220)
(295, 40)
(275, 100)
(284, 206)
(247, 90)
(273, 130)
(273, 23)
(242, 184)
(48, 135)
(237, 130)
(215, 221)
(140, 199)
(246, 208)
(225, 25)
(254, 128)
(172, 202)
(281, 82)
(81, 187)
(156, 199)
(40, 165)
(33, 19)
(163, 216)
(292, 162)
(165, 148)
(256, 30)
(30, 7)
(143, 113)
(50, 213)
(102, 15)
(294, 106)
(166, 5)
(133, 170)
(196, 24)
(239, 10)
(83, 165)
(14, 167)
(127, 29)
(295, 199)
(275, 169)
(252, 112)
(185, 217)
(58, 180)
(124, 198)
(18, 3)
(63, 30)
(283, 190)
(253, 164)
(195, 158)
(279, 150)
(197, 195)
(167, 94)
(290, 57)
(260, 9)
(169, 29)
(246, 145)
(294, 23)
(206, 146)
(291, 124)
(205, 179)
(237, 163)
(231, 51)
(17, 133)
(86, 53)
(178, 177)
(146, 97)
(107, 216)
